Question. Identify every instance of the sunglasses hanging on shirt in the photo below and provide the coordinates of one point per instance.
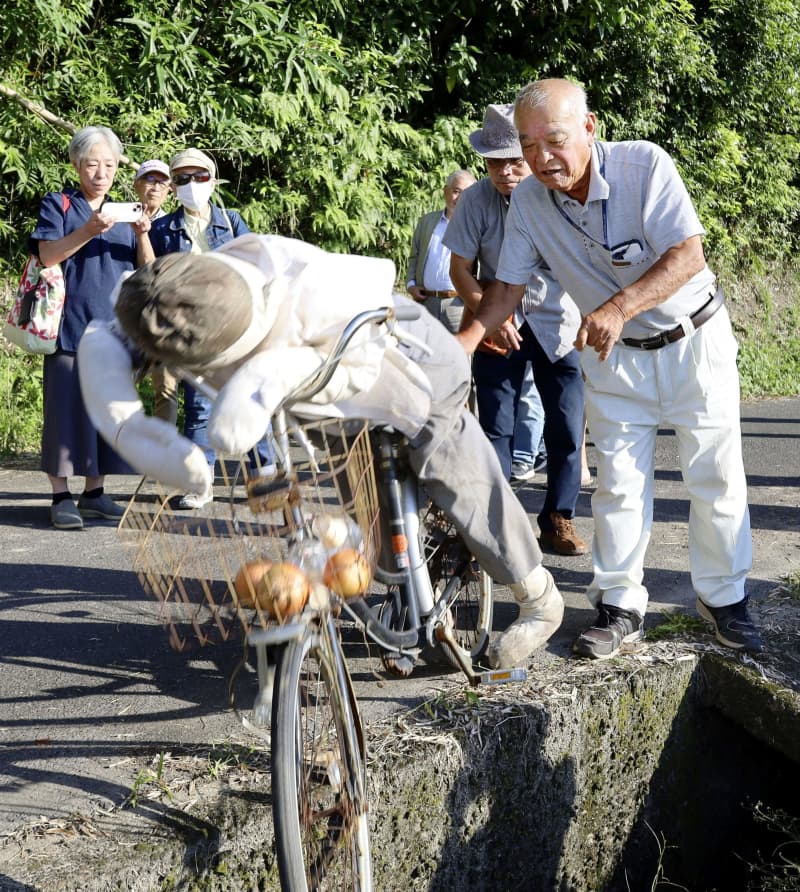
(623, 254)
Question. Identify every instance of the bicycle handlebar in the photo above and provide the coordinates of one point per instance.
(320, 378)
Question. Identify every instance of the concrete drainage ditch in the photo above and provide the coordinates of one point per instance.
(640, 774)
(627, 775)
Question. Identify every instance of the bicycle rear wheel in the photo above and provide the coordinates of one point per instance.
(456, 576)
(318, 775)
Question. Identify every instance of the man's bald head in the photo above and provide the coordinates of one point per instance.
(556, 134)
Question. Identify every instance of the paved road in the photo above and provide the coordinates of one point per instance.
(88, 681)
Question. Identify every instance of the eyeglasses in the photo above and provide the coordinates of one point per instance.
(181, 179)
(502, 163)
(152, 180)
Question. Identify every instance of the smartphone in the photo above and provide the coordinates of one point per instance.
(123, 211)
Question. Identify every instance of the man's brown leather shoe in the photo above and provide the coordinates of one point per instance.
(563, 538)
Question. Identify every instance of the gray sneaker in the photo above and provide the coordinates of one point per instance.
(612, 628)
(101, 506)
(65, 516)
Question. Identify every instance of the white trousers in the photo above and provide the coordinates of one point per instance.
(692, 386)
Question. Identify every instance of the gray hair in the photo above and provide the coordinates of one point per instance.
(538, 93)
(84, 139)
(457, 174)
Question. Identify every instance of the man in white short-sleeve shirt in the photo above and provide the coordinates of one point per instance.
(428, 280)
(616, 227)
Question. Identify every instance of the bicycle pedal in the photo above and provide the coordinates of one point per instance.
(503, 676)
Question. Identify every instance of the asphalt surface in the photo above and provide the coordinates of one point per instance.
(89, 684)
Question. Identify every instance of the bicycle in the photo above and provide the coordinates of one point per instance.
(357, 476)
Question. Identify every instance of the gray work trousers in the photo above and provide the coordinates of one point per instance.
(459, 467)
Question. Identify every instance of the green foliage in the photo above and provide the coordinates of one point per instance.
(306, 128)
(792, 584)
(20, 401)
(676, 623)
(335, 122)
(20, 393)
(338, 122)
(765, 309)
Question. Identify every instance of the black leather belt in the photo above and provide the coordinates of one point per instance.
(675, 334)
(440, 293)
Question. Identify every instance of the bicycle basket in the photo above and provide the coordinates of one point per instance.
(189, 560)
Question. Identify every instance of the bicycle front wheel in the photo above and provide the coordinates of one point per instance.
(318, 775)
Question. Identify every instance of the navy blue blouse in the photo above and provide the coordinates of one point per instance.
(92, 272)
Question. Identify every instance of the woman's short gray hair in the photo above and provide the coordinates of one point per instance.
(538, 93)
(86, 137)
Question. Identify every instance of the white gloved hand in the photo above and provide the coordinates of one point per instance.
(150, 445)
(155, 448)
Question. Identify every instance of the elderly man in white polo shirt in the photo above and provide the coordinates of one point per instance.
(615, 225)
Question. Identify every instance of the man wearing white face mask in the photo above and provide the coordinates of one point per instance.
(196, 227)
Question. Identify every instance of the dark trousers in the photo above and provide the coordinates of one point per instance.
(498, 383)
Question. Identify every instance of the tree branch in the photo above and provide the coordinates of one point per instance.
(45, 115)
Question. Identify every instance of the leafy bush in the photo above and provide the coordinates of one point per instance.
(338, 122)
(20, 401)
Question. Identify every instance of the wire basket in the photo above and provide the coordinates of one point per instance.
(324, 505)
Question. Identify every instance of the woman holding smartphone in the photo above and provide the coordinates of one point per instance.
(93, 250)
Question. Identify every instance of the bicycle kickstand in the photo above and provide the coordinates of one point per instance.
(444, 634)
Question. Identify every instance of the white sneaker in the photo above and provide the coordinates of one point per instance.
(522, 471)
(193, 500)
(269, 470)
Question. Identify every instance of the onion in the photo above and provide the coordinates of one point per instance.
(330, 530)
(248, 579)
(347, 573)
(283, 590)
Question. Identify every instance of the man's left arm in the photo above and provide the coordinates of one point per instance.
(602, 328)
(414, 287)
(498, 302)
